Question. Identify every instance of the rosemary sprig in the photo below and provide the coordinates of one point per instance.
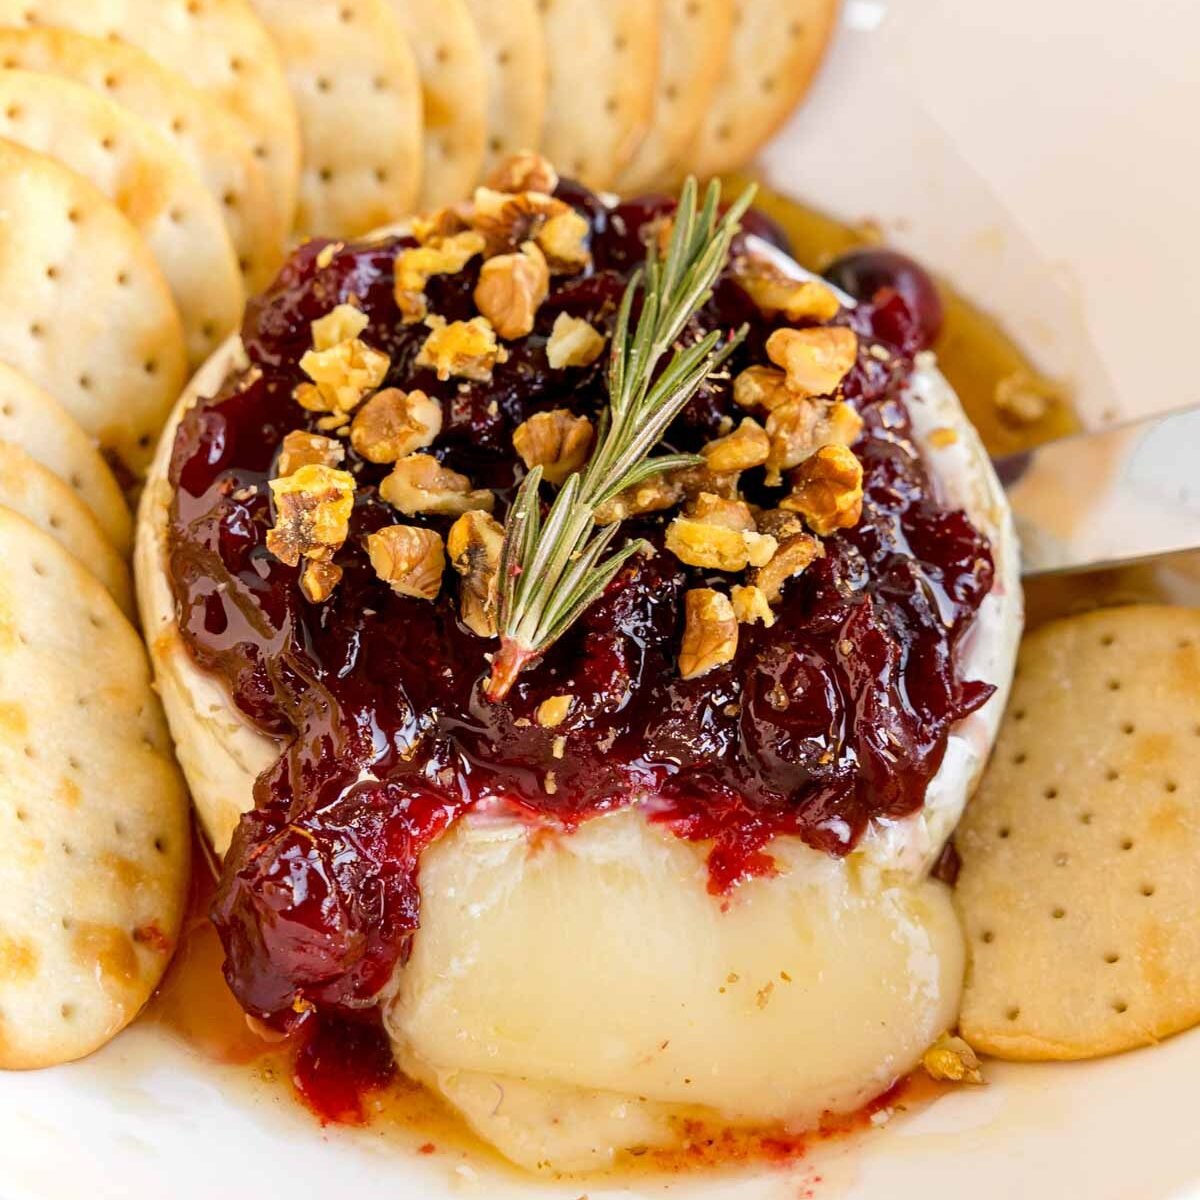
(551, 571)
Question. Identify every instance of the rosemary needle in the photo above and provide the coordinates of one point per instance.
(552, 569)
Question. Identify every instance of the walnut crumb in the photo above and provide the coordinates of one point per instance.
(524, 171)
(318, 579)
(393, 424)
(327, 254)
(1021, 399)
(952, 1059)
(710, 632)
(465, 348)
(420, 484)
(474, 544)
(719, 534)
(301, 449)
(507, 220)
(816, 360)
(416, 265)
(564, 241)
(796, 551)
(761, 387)
(409, 559)
(797, 429)
(750, 605)
(943, 436)
(554, 711)
(775, 293)
(342, 367)
(511, 289)
(557, 441)
(746, 447)
(312, 513)
(827, 490)
(573, 343)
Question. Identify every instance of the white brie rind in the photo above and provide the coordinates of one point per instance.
(576, 995)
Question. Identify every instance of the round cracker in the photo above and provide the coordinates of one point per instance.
(450, 63)
(515, 62)
(695, 42)
(220, 46)
(86, 312)
(603, 69)
(92, 808)
(774, 52)
(1079, 891)
(148, 180)
(32, 419)
(354, 82)
(37, 494)
(213, 141)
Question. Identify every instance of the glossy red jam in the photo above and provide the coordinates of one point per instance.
(838, 714)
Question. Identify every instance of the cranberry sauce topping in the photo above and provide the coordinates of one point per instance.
(837, 714)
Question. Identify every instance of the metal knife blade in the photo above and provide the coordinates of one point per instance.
(1109, 497)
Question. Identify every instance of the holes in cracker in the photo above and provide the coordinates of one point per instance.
(6, 409)
(1148, 890)
(796, 30)
(36, 330)
(1058, 912)
(150, 366)
(54, 521)
(1062, 858)
(987, 937)
(1170, 787)
(323, 84)
(503, 55)
(1127, 727)
(22, 816)
(66, 1011)
(13, 112)
(1127, 843)
(1114, 685)
(1012, 1013)
(122, 279)
(1050, 793)
(379, 83)
(1003, 832)
(1085, 818)
(1112, 958)
(1112, 774)
(346, 14)
(39, 569)
(1107, 639)
(442, 53)
(1120, 1007)
(178, 125)
(160, 845)
(381, 175)
(85, 382)
(236, 65)
(620, 43)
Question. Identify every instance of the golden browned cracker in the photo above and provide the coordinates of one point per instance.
(1079, 890)
(603, 70)
(219, 46)
(695, 42)
(515, 62)
(450, 62)
(775, 50)
(215, 143)
(32, 419)
(40, 496)
(355, 85)
(93, 811)
(149, 180)
(84, 309)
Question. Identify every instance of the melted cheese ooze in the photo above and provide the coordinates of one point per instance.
(559, 977)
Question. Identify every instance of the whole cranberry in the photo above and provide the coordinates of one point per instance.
(864, 272)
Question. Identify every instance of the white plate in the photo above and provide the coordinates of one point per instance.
(1045, 156)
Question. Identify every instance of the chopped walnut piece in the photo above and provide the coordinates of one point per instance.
(341, 324)
(441, 223)
(761, 387)
(524, 171)
(816, 360)
(312, 513)
(801, 427)
(465, 348)
(719, 534)
(420, 484)
(710, 632)
(746, 447)
(827, 490)
(750, 605)
(573, 343)
(953, 1059)
(474, 544)
(410, 559)
(797, 550)
(557, 441)
(1022, 399)
(301, 449)
(564, 241)
(318, 579)
(511, 289)
(416, 265)
(554, 711)
(393, 424)
(655, 494)
(343, 368)
(507, 221)
(776, 293)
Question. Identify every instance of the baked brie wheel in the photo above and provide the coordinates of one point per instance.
(579, 984)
